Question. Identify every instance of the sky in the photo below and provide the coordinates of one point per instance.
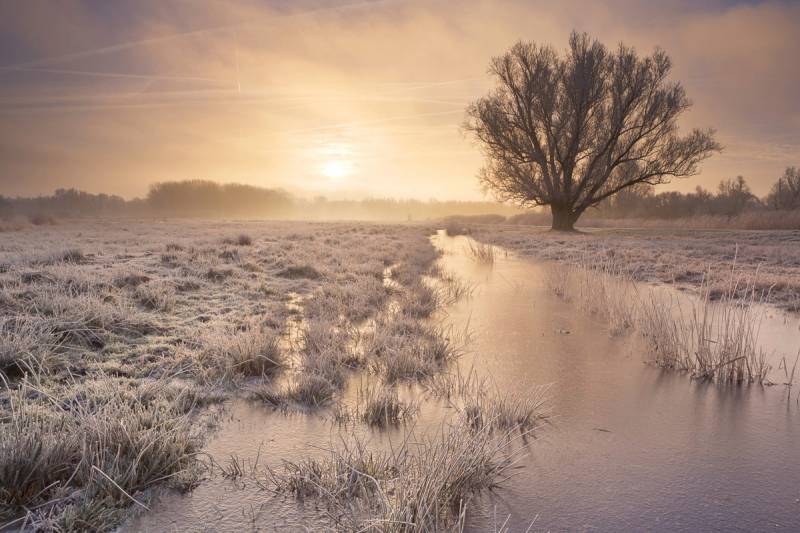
(349, 99)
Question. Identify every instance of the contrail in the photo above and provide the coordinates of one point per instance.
(115, 74)
(196, 97)
(236, 53)
(92, 98)
(66, 104)
(203, 31)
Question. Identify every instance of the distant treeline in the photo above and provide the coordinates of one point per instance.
(208, 199)
(64, 202)
(211, 199)
(732, 205)
(733, 197)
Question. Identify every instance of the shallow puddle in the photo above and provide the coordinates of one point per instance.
(631, 447)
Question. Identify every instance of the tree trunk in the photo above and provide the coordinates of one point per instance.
(563, 218)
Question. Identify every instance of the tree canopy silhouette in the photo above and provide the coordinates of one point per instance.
(568, 131)
(785, 194)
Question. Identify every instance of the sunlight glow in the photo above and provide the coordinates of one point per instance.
(336, 170)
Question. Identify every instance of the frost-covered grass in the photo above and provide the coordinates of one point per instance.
(675, 256)
(713, 335)
(425, 484)
(114, 334)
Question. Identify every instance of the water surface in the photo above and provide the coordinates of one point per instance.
(633, 447)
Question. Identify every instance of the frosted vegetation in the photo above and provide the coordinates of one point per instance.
(769, 262)
(120, 340)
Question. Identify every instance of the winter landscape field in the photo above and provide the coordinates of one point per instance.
(399, 266)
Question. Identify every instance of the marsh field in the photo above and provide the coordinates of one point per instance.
(273, 376)
(399, 266)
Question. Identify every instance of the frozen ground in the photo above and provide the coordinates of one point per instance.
(115, 335)
(769, 260)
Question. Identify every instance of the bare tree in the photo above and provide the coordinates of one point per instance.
(734, 196)
(568, 131)
(785, 194)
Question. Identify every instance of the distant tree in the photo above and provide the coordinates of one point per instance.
(734, 196)
(785, 194)
(703, 196)
(633, 201)
(568, 131)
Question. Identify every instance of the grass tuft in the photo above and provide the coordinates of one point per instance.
(40, 219)
(425, 485)
(381, 407)
(72, 255)
(25, 345)
(154, 296)
(218, 274)
(240, 240)
(311, 390)
(252, 351)
(300, 272)
(305, 390)
(480, 252)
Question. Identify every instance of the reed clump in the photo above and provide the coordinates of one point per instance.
(423, 485)
(603, 287)
(481, 405)
(713, 336)
(481, 252)
(713, 339)
(382, 406)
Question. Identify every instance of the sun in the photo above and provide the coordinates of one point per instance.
(336, 169)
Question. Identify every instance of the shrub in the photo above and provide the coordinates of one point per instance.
(40, 219)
